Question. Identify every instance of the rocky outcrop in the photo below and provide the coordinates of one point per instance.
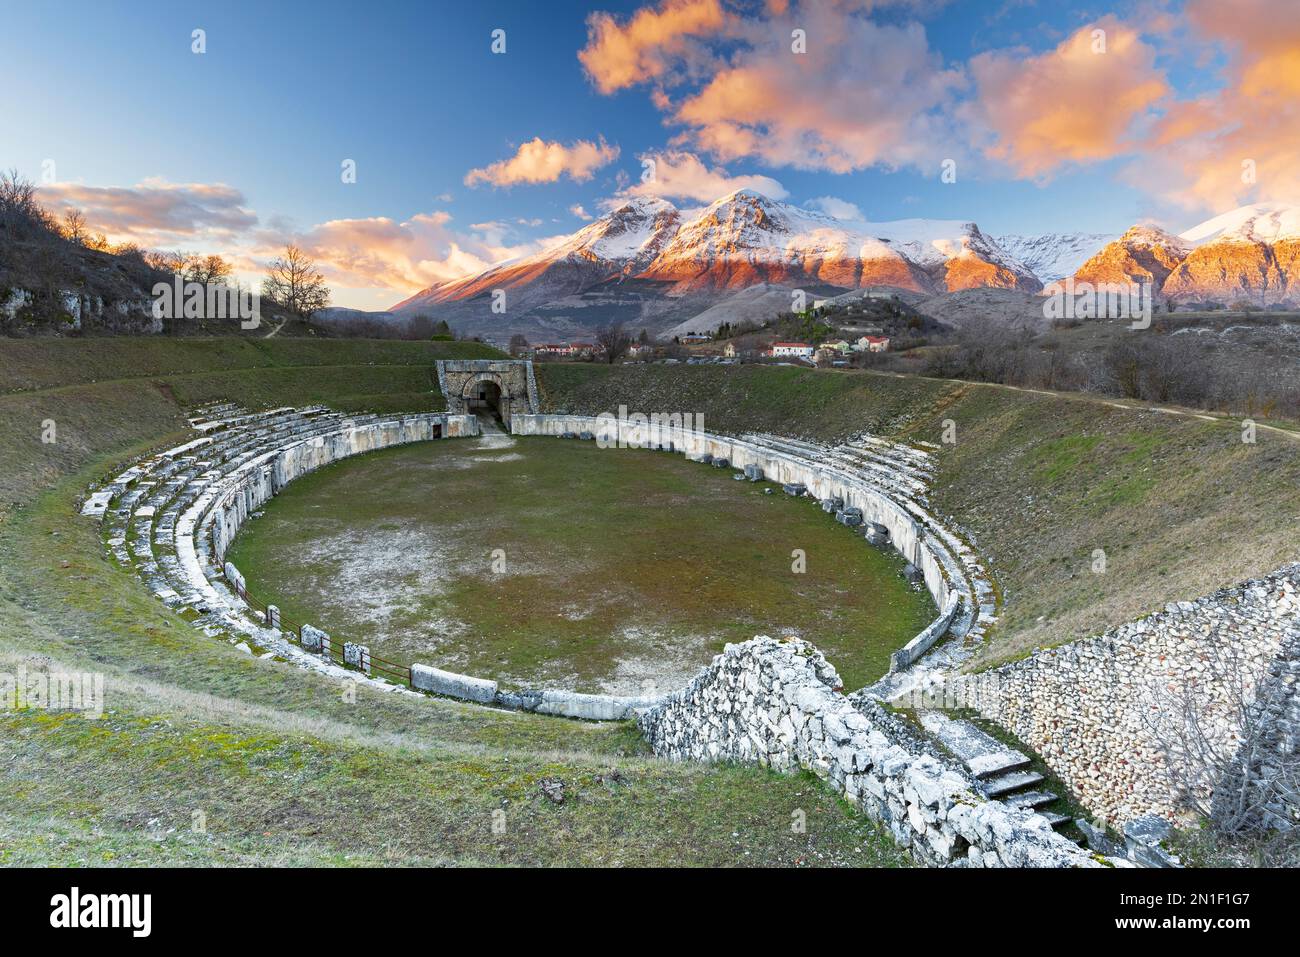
(1143, 255)
(1235, 271)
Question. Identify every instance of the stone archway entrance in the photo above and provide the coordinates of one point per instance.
(483, 396)
(505, 387)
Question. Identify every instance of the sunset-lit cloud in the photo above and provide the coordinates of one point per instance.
(682, 175)
(820, 86)
(1083, 101)
(538, 161)
(154, 213)
(402, 256)
(652, 42)
(1240, 142)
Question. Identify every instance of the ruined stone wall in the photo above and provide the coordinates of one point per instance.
(1104, 712)
(776, 703)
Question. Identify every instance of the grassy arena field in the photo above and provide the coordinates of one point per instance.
(622, 570)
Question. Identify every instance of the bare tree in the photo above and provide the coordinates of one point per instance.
(21, 216)
(613, 341)
(73, 227)
(419, 326)
(294, 283)
(208, 270)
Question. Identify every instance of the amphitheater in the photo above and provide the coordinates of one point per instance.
(914, 750)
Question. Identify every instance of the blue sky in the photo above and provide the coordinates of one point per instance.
(411, 91)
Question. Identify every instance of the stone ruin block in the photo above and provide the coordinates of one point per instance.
(272, 616)
(357, 656)
(794, 488)
(586, 436)
(851, 516)
(720, 463)
(754, 473)
(315, 640)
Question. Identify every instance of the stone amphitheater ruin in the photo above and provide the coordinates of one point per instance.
(945, 788)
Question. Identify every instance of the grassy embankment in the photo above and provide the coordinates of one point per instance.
(281, 765)
(1178, 503)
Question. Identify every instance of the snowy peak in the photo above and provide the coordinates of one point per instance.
(1257, 223)
(1053, 256)
(634, 231)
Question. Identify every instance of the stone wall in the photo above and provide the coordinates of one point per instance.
(775, 703)
(1105, 712)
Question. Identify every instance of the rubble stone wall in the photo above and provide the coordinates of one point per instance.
(777, 703)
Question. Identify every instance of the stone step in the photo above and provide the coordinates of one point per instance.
(1055, 819)
(1004, 784)
(1034, 799)
(982, 753)
(987, 765)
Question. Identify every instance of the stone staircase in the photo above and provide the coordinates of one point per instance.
(1001, 772)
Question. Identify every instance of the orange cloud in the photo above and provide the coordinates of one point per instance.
(401, 256)
(1080, 102)
(842, 94)
(622, 55)
(155, 213)
(1239, 143)
(538, 161)
(682, 175)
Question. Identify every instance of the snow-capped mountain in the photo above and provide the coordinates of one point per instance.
(1247, 255)
(643, 264)
(1054, 256)
(647, 265)
(609, 248)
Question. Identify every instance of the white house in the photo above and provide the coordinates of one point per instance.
(792, 350)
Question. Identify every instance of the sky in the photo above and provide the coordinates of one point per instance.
(470, 146)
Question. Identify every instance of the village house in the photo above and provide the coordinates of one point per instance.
(872, 344)
(792, 350)
(694, 339)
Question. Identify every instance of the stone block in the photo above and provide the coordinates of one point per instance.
(465, 687)
(357, 656)
(314, 640)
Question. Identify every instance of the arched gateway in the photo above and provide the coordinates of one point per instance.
(473, 385)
